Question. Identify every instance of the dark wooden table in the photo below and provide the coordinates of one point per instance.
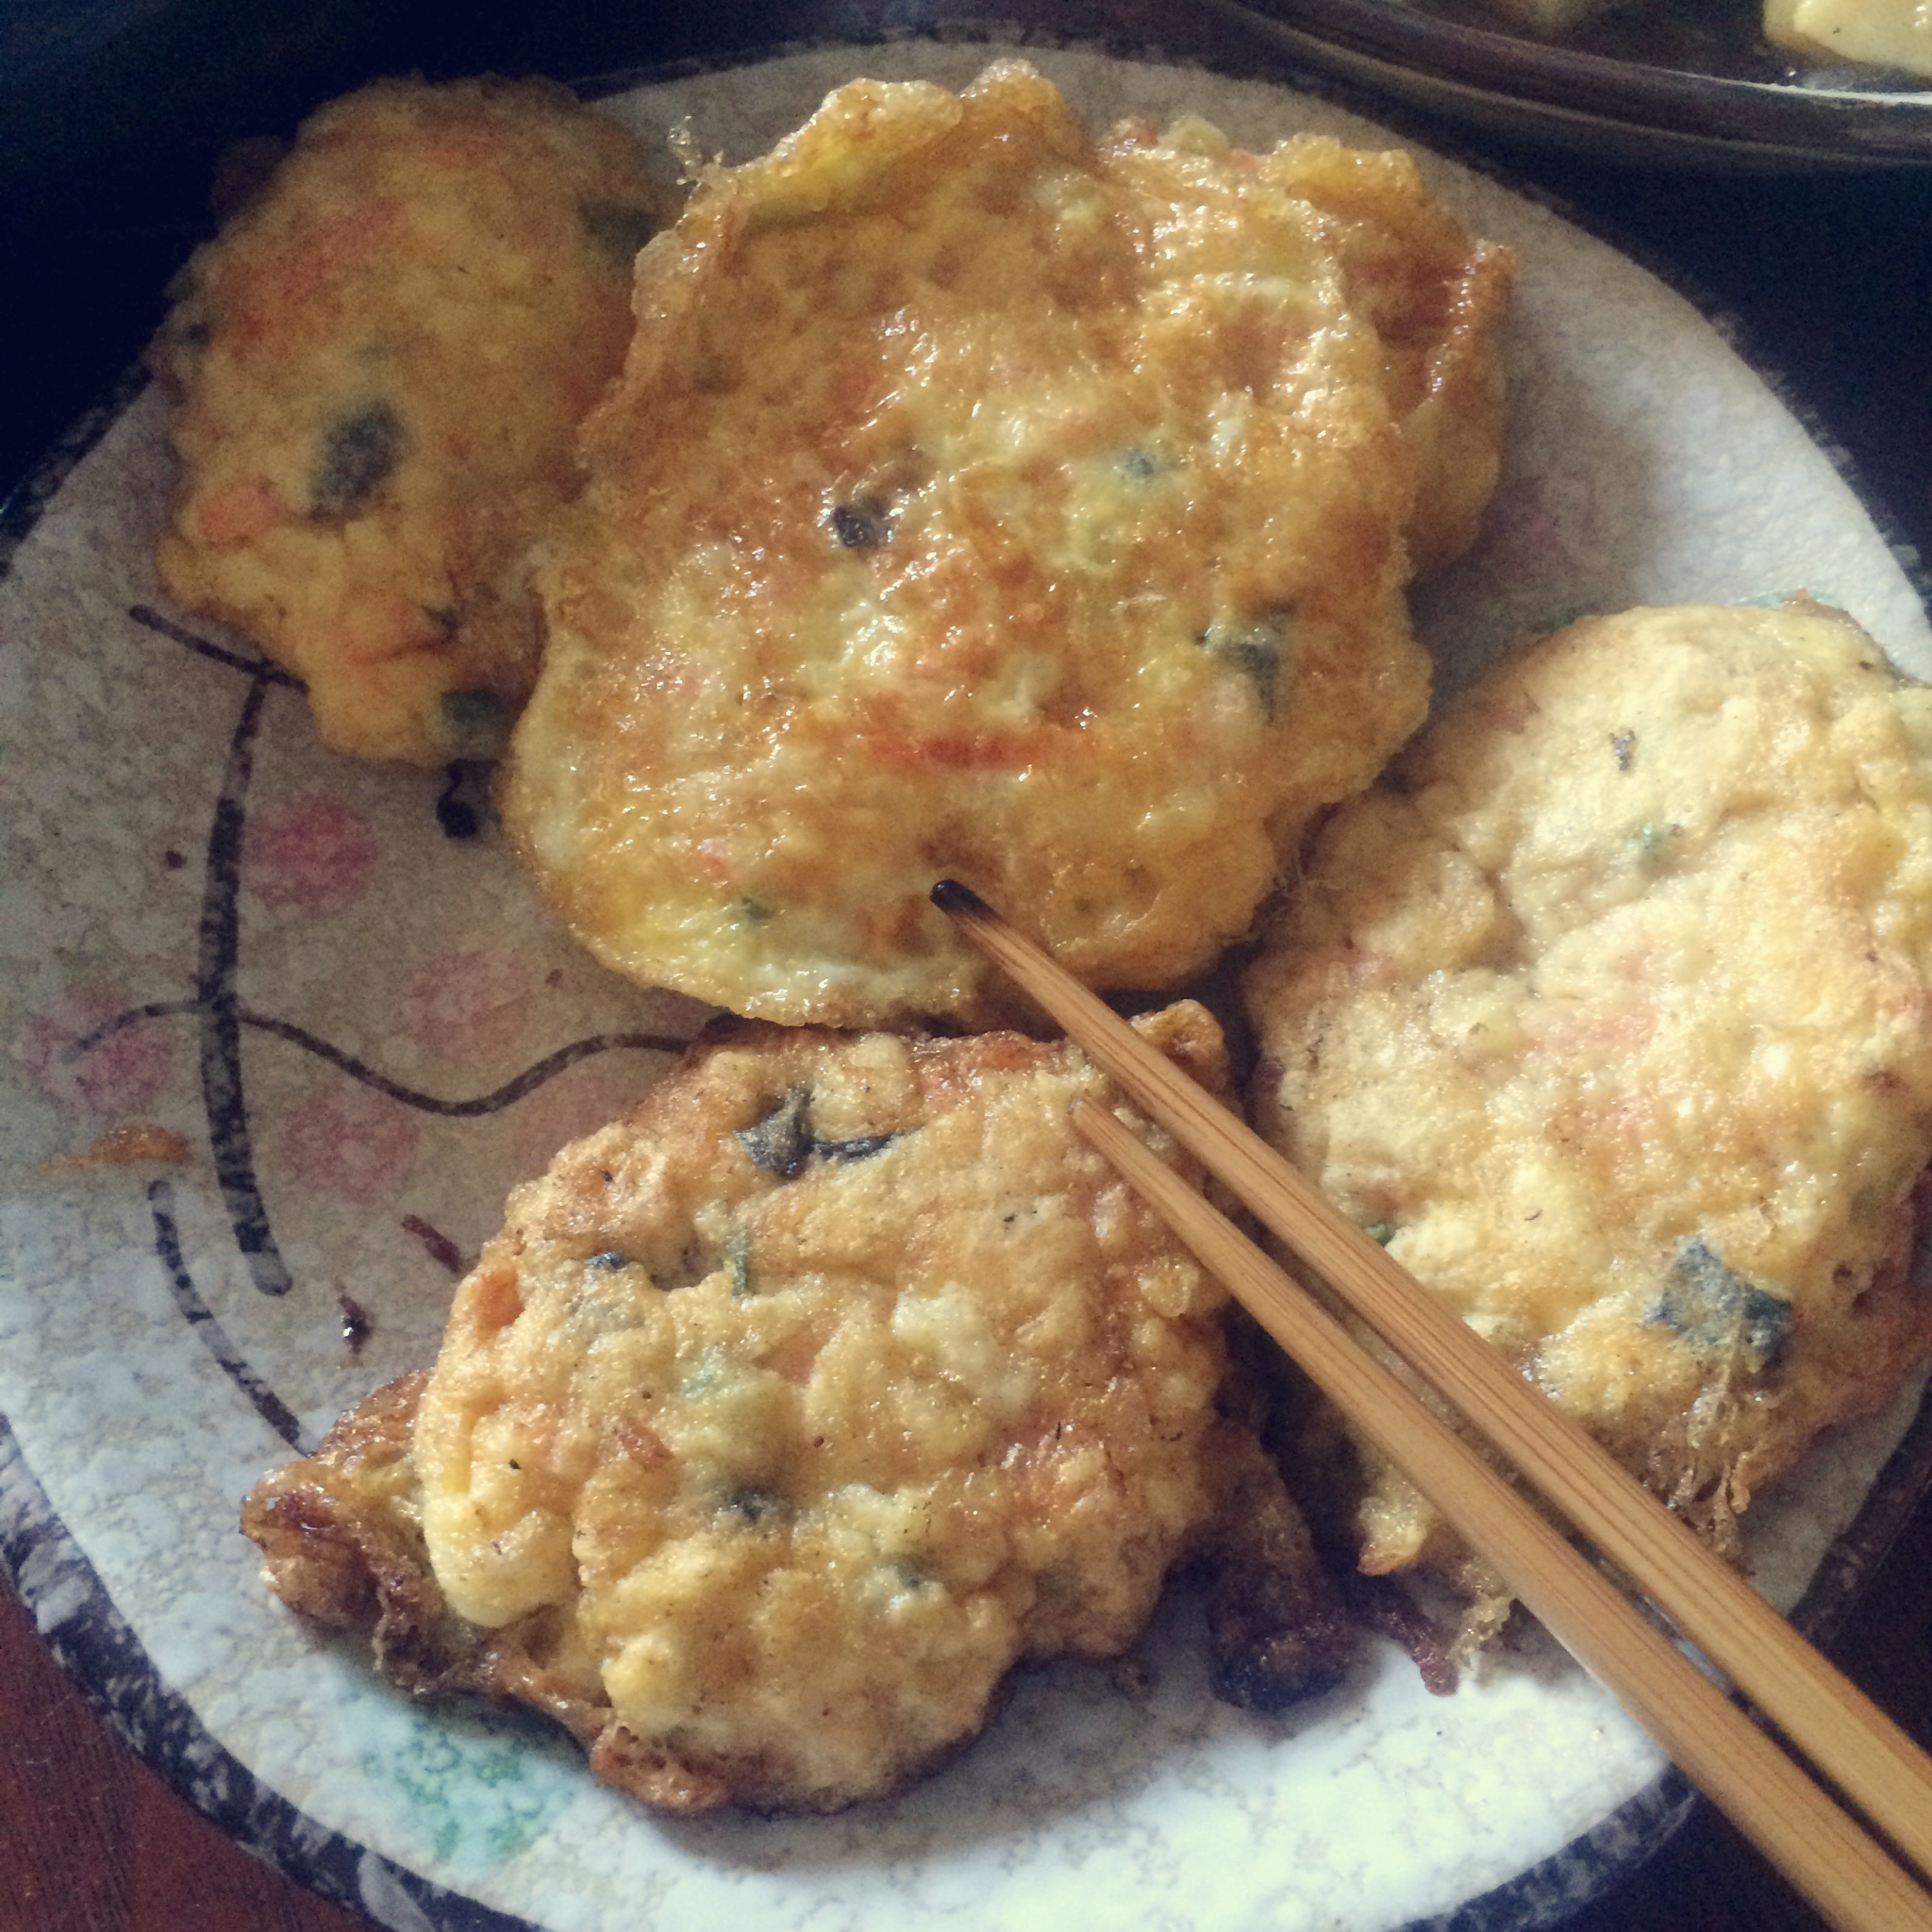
(1825, 279)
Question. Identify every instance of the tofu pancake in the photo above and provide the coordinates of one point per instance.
(980, 500)
(382, 361)
(1613, 1014)
(784, 1416)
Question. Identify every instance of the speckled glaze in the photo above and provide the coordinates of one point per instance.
(328, 982)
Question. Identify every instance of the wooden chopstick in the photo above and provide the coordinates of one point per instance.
(1824, 1853)
(1846, 1877)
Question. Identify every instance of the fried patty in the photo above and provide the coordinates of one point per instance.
(1612, 1015)
(382, 361)
(980, 500)
(787, 1414)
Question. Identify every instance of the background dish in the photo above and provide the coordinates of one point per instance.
(1510, 84)
(1649, 463)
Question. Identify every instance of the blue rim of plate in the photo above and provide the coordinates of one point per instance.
(83, 1628)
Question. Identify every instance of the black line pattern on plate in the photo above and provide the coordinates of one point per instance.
(216, 1005)
(533, 1077)
(202, 1319)
(217, 964)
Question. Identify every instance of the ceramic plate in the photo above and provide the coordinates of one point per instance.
(282, 1030)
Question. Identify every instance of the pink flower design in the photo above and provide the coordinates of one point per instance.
(308, 854)
(471, 1004)
(119, 1075)
(591, 1095)
(350, 1142)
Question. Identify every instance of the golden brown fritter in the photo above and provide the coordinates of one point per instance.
(784, 1416)
(981, 502)
(1613, 1015)
(382, 362)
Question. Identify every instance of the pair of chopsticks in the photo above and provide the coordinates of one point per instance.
(1853, 1881)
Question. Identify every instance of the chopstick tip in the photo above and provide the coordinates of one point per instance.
(959, 901)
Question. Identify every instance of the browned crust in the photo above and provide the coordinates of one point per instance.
(340, 1544)
(342, 1532)
(1278, 1632)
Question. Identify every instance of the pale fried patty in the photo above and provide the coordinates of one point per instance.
(784, 1416)
(981, 501)
(382, 362)
(1612, 1015)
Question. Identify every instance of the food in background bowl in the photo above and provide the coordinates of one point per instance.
(1875, 33)
(1731, 36)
